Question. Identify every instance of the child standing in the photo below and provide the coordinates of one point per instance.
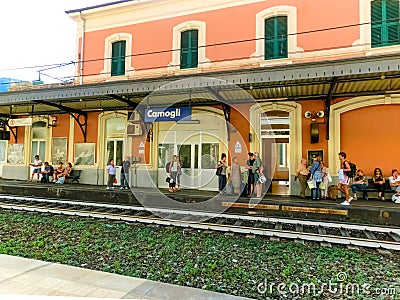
(111, 171)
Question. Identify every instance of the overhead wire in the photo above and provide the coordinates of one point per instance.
(219, 44)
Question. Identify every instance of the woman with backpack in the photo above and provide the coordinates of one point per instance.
(344, 179)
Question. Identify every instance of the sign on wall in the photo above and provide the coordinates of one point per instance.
(20, 122)
(170, 114)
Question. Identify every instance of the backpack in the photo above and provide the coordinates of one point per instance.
(353, 170)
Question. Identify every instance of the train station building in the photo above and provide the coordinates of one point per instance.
(285, 78)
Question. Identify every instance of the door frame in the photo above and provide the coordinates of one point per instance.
(295, 138)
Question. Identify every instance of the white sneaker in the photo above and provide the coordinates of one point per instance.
(126, 188)
(345, 203)
(355, 198)
(121, 188)
(107, 188)
(350, 198)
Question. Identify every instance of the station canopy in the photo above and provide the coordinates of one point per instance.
(370, 75)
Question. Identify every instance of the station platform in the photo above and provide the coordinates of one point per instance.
(22, 276)
(372, 211)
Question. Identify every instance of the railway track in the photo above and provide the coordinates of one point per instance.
(326, 233)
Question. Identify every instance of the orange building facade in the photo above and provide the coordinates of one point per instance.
(322, 79)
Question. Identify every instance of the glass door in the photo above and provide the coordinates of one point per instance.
(189, 157)
(115, 151)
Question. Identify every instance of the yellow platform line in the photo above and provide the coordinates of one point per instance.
(248, 205)
(316, 210)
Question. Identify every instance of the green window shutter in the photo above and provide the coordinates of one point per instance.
(276, 38)
(385, 23)
(189, 49)
(118, 58)
(376, 23)
(392, 22)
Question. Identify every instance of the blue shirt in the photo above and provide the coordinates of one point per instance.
(111, 170)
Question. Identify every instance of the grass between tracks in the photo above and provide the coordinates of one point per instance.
(235, 265)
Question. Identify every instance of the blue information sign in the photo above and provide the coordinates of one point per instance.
(170, 114)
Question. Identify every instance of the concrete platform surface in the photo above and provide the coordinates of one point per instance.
(20, 277)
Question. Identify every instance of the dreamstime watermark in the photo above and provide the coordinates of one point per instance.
(339, 285)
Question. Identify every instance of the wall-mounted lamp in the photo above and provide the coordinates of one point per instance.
(51, 121)
(314, 126)
(314, 116)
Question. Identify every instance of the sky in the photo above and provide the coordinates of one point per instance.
(38, 33)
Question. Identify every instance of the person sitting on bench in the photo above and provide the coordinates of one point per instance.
(360, 184)
(66, 173)
(58, 172)
(47, 173)
(394, 181)
(379, 183)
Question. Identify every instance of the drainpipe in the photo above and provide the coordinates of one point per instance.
(82, 48)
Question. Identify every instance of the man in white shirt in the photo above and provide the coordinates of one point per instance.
(37, 167)
(394, 182)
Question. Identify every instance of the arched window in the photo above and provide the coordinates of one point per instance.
(276, 37)
(189, 49)
(385, 29)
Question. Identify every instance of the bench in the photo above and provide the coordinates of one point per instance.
(75, 175)
(372, 189)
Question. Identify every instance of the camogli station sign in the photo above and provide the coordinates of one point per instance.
(167, 114)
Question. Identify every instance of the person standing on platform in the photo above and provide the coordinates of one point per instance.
(250, 179)
(221, 173)
(125, 165)
(111, 171)
(301, 174)
(178, 175)
(236, 177)
(37, 168)
(257, 172)
(326, 178)
(344, 180)
(172, 171)
(316, 177)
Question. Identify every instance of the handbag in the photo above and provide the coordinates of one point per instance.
(322, 185)
(310, 184)
(329, 177)
(229, 188)
(219, 171)
(115, 180)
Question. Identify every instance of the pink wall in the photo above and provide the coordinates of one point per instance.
(232, 24)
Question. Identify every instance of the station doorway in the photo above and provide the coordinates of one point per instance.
(198, 143)
(275, 135)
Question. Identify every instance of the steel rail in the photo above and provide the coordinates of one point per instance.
(277, 233)
(160, 210)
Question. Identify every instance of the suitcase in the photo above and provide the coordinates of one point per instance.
(333, 192)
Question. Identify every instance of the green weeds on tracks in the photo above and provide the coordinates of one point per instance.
(229, 264)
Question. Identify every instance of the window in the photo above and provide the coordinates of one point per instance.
(3, 146)
(118, 58)
(385, 23)
(39, 134)
(165, 154)
(189, 49)
(276, 37)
